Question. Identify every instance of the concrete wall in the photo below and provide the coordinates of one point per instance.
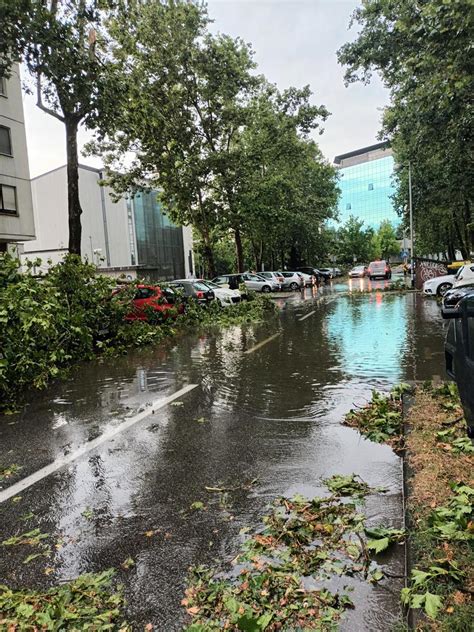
(108, 228)
(105, 235)
(14, 169)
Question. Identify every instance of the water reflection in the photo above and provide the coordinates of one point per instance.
(371, 332)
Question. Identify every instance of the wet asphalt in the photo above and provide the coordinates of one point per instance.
(268, 413)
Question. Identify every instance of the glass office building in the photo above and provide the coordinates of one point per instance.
(160, 251)
(365, 181)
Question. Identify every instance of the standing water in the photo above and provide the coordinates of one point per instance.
(268, 412)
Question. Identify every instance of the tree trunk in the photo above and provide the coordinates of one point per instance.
(74, 205)
(208, 254)
(239, 251)
(209, 259)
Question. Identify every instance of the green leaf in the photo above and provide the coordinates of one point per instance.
(433, 604)
(378, 545)
(419, 577)
(247, 623)
(264, 620)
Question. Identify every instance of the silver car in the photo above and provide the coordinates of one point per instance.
(292, 280)
(251, 281)
(277, 277)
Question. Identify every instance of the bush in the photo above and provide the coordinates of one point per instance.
(49, 322)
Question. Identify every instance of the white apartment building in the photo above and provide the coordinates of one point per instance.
(131, 237)
(16, 208)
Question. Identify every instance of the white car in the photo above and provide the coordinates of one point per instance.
(226, 297)
(308, 279)
(464, 276)
(439, 285)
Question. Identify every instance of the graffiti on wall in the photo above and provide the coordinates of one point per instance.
(427, 269)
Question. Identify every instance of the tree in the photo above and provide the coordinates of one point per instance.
(420, 50)
(354, 242)
(227, 151)
(284, 188)
(384, 242)
(185, 93)
(62, 46)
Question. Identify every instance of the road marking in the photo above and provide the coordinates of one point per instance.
(307, 315)
(62, 461)
(260, 344)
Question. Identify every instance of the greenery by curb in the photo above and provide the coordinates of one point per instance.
(440, 499)
(279, 578)
(50, 323)
(90, 603)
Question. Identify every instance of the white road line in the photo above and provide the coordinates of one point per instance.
(260, 344)
(307, 315)
(61, 462)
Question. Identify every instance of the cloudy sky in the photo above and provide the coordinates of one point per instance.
(295, 43)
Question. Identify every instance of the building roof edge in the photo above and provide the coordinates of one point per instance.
(350, 154)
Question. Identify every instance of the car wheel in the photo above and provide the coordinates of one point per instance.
(294, 286)
(266, 289)
(443, 288)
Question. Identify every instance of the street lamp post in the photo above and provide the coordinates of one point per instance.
(412, 243)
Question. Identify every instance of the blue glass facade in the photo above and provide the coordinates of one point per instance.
(366, 190)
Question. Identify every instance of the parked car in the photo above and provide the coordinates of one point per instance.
(379, 269)
(152, 298)
(455, 295)
(326, 272)
(277, 277)
(358, 272)
(311, 271)
(464, 276)
(223, 295)
(439, 285)
(459, 350)
(455, 265)
(193, 289)
(308, 279)
(251, 281)
(336, 272)
(292, 280)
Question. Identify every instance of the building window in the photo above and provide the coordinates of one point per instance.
(8, 199)
(5, 141)
(348, 206)
(3, 87)
(371, 186)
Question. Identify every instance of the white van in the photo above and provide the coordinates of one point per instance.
(464, 276)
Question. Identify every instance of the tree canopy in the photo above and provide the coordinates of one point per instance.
(423, 52)
(228, 152)
(64, 48)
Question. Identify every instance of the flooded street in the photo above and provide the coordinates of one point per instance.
(264, 404)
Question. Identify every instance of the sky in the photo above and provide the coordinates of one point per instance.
(295, 44)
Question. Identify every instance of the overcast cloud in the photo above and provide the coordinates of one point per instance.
(295, 43)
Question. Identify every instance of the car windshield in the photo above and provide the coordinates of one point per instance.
(200, 286)
(267, 275)
(212, 285)
(459, 272)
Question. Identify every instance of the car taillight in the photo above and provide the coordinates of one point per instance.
(200, 294)
(386, 269)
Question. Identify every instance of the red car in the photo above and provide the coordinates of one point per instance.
(152, 297)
